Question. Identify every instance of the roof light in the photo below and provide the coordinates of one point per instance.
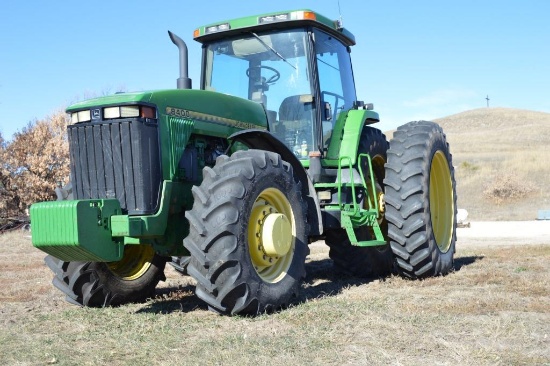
(196, 33)
(274, 18)
(217, 28)
(310, 15)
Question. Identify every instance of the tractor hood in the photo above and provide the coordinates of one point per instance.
(205, 108)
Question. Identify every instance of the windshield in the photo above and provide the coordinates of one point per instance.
(269, 68)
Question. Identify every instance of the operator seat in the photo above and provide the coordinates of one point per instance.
(296, 121)
(294, 108)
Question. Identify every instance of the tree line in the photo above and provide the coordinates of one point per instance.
(32, 164)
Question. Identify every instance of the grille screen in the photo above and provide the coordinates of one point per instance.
(117, 160)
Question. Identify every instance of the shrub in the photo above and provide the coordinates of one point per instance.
(507, 188)
(32, 164)
(467, 166)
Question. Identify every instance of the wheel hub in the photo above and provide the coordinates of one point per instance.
(271, 235)
(276, 235)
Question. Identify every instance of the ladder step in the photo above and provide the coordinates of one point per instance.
(360, 212)
(335, 185)
(369, 243)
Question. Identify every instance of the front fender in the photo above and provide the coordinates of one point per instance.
(264, 140)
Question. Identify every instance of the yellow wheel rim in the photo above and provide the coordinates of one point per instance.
(271, 235)
(135, 262)
(378, 162)
(441, 201)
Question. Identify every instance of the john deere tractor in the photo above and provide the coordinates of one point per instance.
(233, 180)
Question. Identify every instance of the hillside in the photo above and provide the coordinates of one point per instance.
(501, 157)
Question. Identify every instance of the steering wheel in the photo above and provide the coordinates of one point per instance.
(270, 80)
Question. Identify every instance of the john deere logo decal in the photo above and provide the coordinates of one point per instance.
(96, 114)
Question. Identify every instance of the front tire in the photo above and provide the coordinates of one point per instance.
(98, 284)
(248, 237)
(421, 200)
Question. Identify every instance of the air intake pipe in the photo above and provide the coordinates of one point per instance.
(184, 82)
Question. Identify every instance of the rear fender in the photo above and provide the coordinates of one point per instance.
(347, 133)
(264, 140)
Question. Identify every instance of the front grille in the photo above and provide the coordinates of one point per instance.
(117, 160)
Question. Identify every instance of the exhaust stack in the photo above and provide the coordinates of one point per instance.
(184, 82)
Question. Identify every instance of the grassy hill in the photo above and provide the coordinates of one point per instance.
(502, 162)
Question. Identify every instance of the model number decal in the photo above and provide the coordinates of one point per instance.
(184, 113)
(171, 111)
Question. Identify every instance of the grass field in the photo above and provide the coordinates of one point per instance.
(494, 309)
(501, 158)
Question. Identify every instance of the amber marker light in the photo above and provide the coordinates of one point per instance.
(147, 112)
(309, 15)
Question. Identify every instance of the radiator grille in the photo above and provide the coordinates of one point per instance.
(117, 160)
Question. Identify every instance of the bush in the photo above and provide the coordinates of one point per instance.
(467, 166)
(507, 188)
(32, 164)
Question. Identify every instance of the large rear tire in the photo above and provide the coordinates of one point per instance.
(365, 261)
(421, 200)
(248, 237)
(97, 284)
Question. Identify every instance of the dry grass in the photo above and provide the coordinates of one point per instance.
(501, 156)
(507, 188)
(500, 150)
(493, 310)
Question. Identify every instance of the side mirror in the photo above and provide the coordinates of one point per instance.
(328, 111)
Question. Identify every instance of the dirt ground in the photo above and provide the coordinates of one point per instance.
(485, 234)
(507, 233)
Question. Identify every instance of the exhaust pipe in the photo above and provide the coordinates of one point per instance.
(184, 82)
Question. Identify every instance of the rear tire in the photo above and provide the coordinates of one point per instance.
(364, 261)
(98, 284)
(229, 233)
(421, 200)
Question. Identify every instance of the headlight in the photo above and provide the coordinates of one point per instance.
(116, 112)
(129, 111)
(111, 112)
(81, 116)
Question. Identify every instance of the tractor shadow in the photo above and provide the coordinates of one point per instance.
(466, 261)
(322, 280)
(174, 299)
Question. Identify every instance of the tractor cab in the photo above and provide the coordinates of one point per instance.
(296, 64)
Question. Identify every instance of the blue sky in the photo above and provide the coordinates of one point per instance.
(413, 59)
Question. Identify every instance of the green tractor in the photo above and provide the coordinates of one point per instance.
(234, 180)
